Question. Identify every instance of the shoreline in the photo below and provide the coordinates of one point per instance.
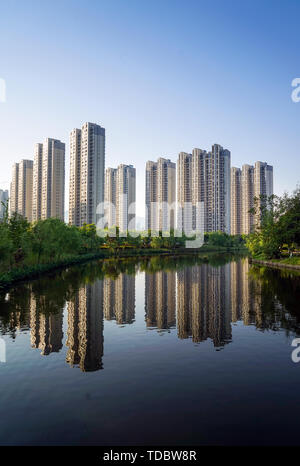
(275, 264)
(28, 273)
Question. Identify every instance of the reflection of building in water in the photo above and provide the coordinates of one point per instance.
(119, 299)
(46, 329)
(246, 295)
(237, 283)
(85, 328)
(160, 299)
(203, 303)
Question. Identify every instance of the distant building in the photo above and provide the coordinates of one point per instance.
(21, 189)
(53, 179)
(111, 196)
(247, 184)
(203, 190)
(184, 193)
(120, 197)
(87, 162)
(37, 182)
(3, 200)
(236, 201)
(247, 198)
(160, 195)
(263, 185)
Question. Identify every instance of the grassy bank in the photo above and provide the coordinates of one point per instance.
(286, 263)
(24, 273)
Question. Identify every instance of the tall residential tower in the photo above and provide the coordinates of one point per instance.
(160, 195)
(120, 197)
(87, 162)
(21, 189)
(53, 179)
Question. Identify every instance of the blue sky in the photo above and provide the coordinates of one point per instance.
(162, 76)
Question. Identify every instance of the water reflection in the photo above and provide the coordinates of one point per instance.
(119, 299)
(198, 297)
(160, 300)
(85, 328)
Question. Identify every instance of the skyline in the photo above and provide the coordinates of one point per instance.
(158, 95)
(210, 197)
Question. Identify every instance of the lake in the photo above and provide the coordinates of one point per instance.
(165, 351)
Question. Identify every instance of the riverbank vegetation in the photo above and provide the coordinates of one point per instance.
(28, 249)
(278, 237)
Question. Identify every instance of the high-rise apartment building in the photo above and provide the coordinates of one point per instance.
(87, 159)
(14, 186)
(25, 189)
(53, 179)
(75, 172)
(247, 184)
(263, 186)
(160, 195)
(21, 189)
(37, 182)
(200, 189)
(184, 193)
(247, 194)
(203, 190)
(92, 173)
(236, 201)
(218, 206)
(120, 197)
(126, 197)
(111, 196)
(3, 201)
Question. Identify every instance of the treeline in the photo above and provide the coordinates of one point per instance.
(24, 244)
(279, 232)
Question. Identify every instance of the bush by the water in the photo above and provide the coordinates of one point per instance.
(28, 245)
(279, 232)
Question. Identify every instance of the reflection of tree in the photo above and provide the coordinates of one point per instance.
(280, 296)
(14, 310)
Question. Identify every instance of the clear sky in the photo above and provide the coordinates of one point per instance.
(162, 76)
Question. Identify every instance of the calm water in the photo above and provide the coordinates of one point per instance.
(185, 351)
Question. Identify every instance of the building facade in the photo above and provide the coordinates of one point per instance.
(37, 182)
(247, 198)
(120, 197)
(184, 193)
(75, 171)
(4, 196)
(53, 179)
(248, 184)
(236, 200)
(203, 190)
(14, 186)
(218, 205)
(160, 195)
(21, 189)
(87, 162)
(92, 173)
(111, 196)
